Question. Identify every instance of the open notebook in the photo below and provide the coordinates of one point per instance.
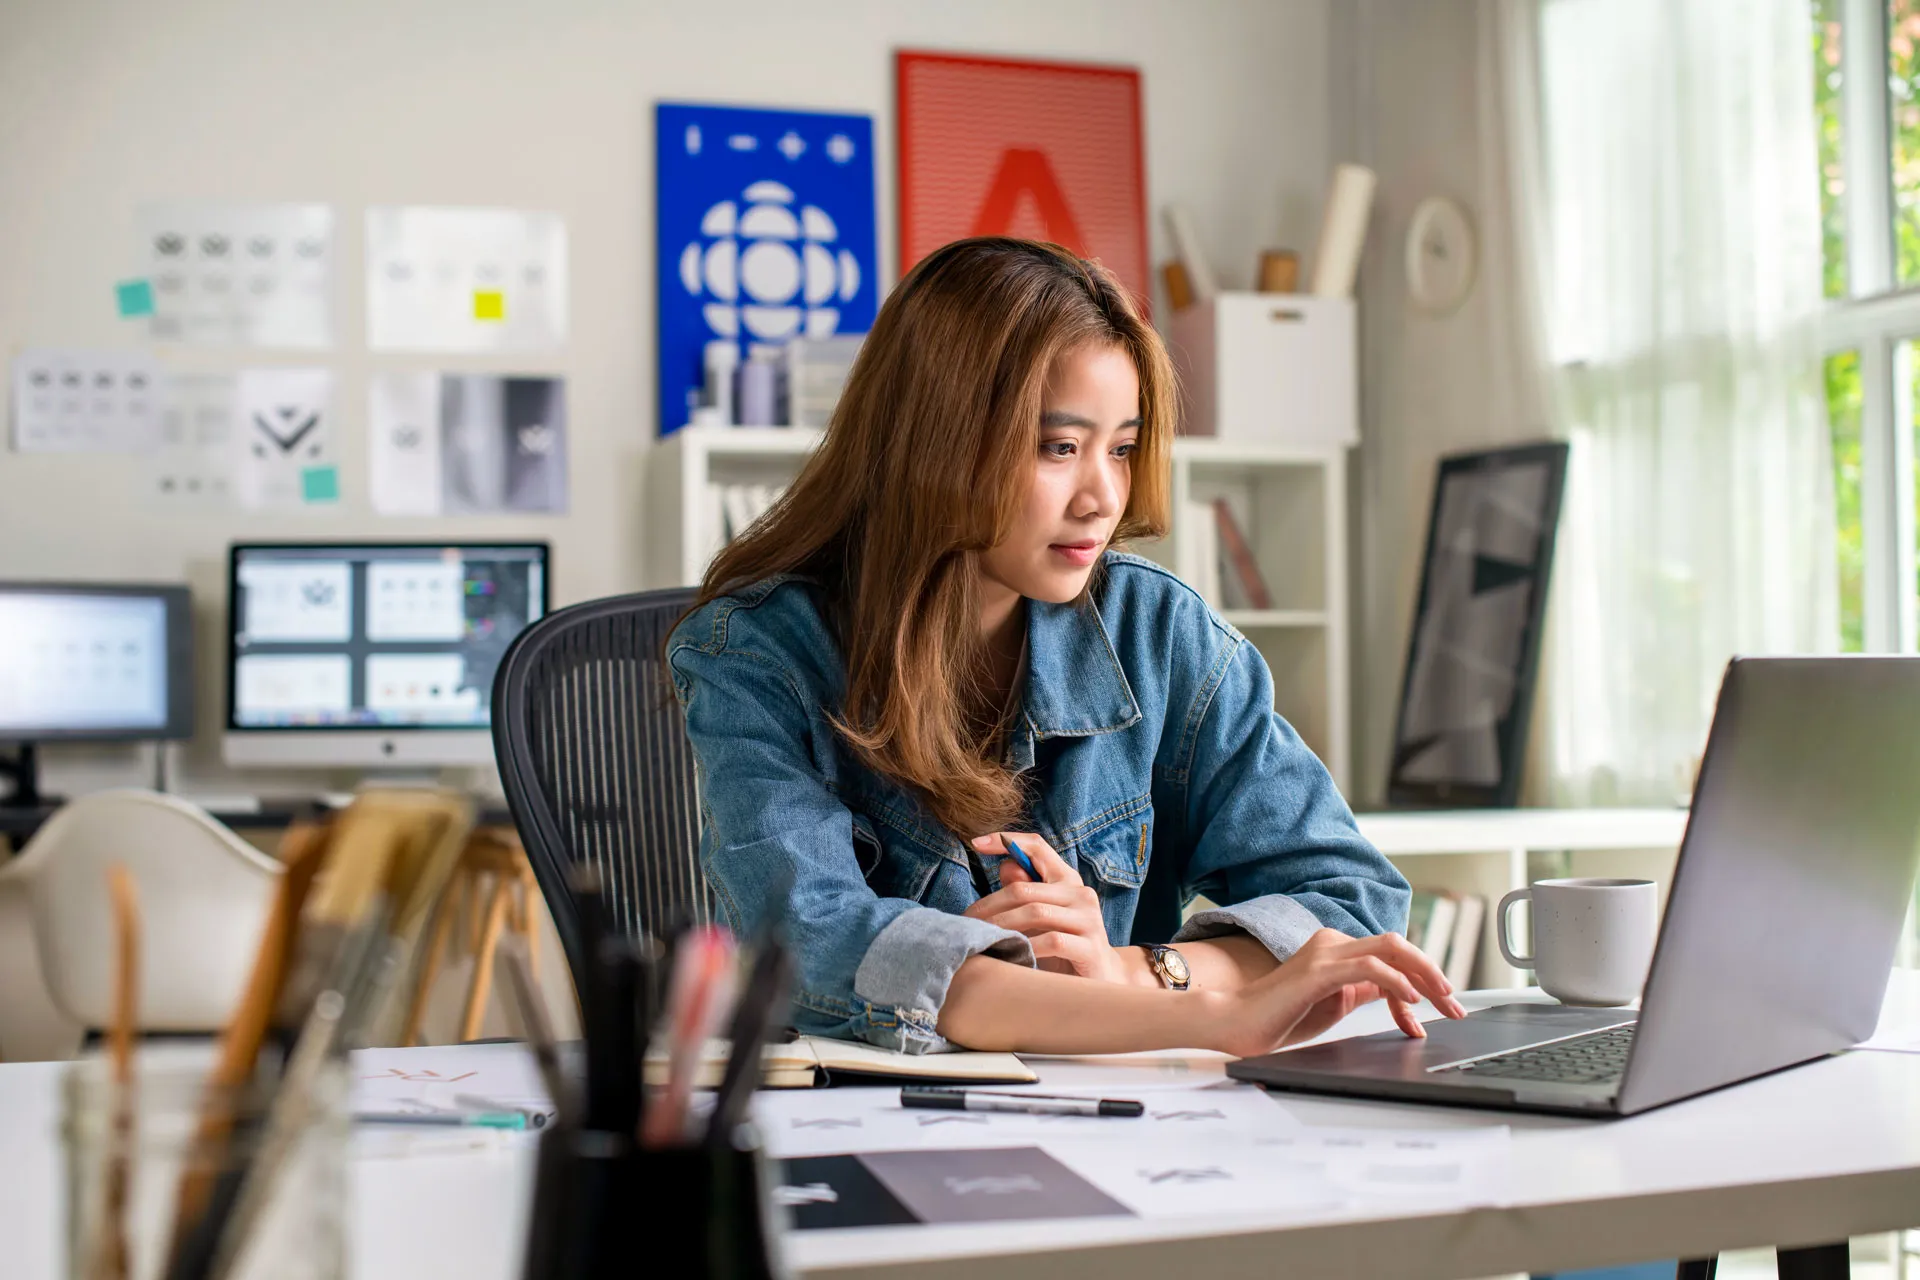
(811, 1061)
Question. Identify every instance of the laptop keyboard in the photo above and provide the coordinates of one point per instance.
(1599, 1058)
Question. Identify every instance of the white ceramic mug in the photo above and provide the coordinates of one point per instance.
(1592, 939)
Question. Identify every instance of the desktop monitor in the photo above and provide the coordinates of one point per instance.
(368, 654)
(91, 661)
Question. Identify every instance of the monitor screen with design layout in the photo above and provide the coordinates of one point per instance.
(372, 653)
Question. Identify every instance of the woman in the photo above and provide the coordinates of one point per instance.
(928, 653)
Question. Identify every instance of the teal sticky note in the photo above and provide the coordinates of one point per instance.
(135, 297)
(320, 484)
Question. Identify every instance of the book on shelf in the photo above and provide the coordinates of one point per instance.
(742, 504)
(1200, 553)
(1430, 923)
(1465, 948)
(1446, 927)
(1241, 573)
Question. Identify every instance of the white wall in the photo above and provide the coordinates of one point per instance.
(1405, 102)
(356, 102)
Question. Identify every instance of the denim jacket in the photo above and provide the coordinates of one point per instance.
(1159, 769)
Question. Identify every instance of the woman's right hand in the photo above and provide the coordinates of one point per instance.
(1326, 979)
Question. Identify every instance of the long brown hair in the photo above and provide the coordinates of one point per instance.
(925, 463)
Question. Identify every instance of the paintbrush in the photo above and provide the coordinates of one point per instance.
(301, 853)
(529, 1019)
(112, 1261)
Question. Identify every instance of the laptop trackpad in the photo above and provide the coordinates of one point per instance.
(1495, 1030)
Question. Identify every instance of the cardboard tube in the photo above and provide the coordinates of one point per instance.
(1186, 244)
(1343, 231)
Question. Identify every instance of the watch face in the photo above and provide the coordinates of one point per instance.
(1176, 965)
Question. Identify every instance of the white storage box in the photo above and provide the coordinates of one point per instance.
(1269, 368)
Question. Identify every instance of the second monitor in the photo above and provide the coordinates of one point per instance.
(370, 654)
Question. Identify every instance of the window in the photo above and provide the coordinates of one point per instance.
(1866, 78)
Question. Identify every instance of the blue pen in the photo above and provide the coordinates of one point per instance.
(1020, 859)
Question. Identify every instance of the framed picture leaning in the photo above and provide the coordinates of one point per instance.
(1460, 738)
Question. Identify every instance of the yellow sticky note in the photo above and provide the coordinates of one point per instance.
(489, 304)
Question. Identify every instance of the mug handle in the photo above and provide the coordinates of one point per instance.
(1500, 927)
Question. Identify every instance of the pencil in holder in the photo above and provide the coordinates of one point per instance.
(605, 1208)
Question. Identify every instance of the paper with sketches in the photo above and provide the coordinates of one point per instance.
(825, 1121)
(1180, 1178)
(283, 432)
(467, 444)
(465, 279)
(1224, 1149)
(420, 1080)
(192, 466)
(1453, 1168)
(403, 443)
(240, 275)
(67, 400)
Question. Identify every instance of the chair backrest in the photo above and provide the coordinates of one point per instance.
(204, 896)
(594, 758)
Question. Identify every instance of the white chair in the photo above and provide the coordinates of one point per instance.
(204, 898)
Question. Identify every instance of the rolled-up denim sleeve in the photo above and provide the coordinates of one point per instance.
(1271, 839)
(870, 968)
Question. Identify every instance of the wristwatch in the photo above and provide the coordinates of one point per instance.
(1169, 966)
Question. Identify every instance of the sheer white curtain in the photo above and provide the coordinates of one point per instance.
(1675, 290)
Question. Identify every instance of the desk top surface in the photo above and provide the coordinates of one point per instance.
(1820, 1152)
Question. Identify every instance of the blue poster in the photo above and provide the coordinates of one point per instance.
(765, 222)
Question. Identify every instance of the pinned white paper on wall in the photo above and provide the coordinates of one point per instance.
(467, 444)
(192, 467)
(403, 429)
(67, 400)
(283, 438)
(465, 279)
(240, 275)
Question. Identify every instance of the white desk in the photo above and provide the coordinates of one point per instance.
(1803, 1157)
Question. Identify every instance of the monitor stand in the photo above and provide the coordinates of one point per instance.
(24, 771)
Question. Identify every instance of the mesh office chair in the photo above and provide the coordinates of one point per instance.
(595, 761)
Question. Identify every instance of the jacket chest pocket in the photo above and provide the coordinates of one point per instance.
(1116, 853)
(893, 868)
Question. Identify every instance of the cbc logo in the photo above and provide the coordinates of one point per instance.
(769, 273)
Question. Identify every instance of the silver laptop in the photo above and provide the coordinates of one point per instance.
(1786, 906)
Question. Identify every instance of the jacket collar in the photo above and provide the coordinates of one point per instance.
(1075, 687)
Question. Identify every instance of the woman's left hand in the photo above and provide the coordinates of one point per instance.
(1058, 913)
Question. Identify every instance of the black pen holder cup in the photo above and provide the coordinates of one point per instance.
(605, 1208)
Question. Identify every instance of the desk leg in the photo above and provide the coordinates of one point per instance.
(1815, 1262)
(1696, 1268)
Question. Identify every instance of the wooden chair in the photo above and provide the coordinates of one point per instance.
(491, 892)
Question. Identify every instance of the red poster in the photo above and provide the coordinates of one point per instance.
(1044, 150)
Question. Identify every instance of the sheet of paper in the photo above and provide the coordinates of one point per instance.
(410, 1079)
(192, 467)
(467, 444)
(1175, 1177)
(1125, 1074)
(69, 400)
(503, 444)
(403, 443)
(240, 275)
(441, 279)
(828, 1121)
(283, 438)
(1456, 1168)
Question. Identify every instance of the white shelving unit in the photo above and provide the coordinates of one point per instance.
(1291, 503)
